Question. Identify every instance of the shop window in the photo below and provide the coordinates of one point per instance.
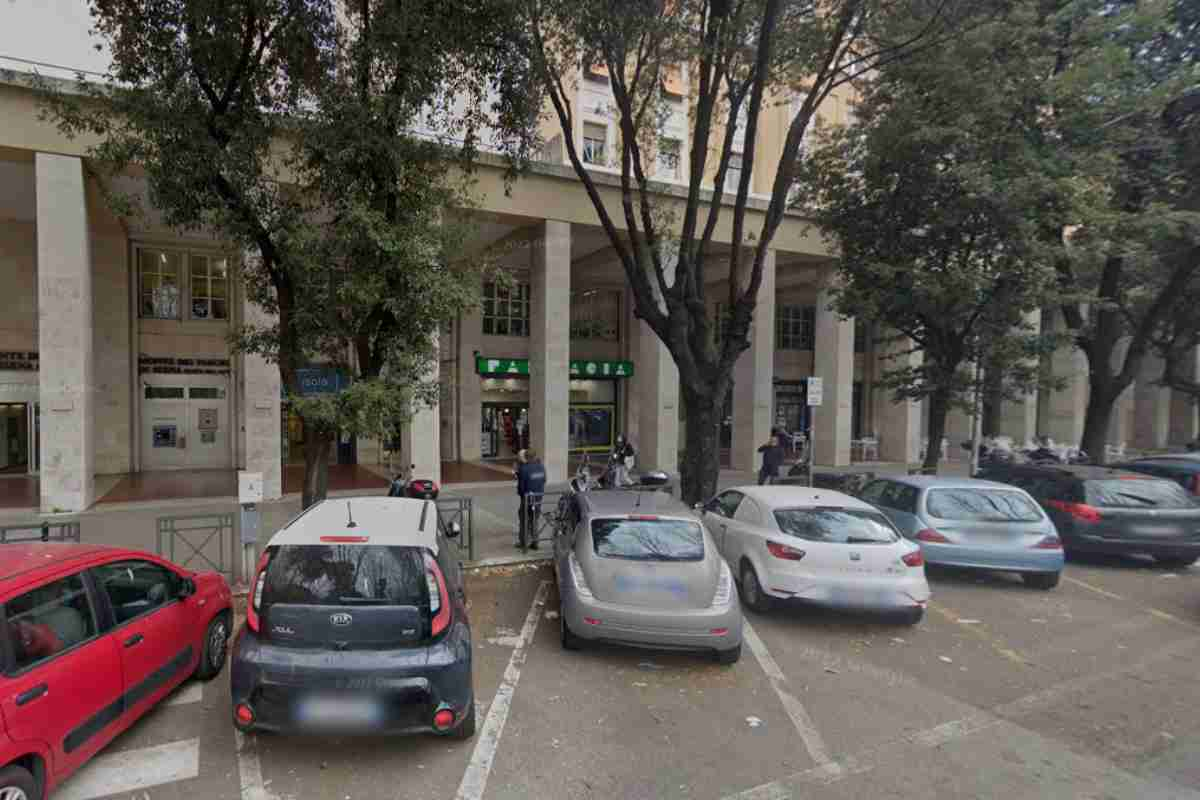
(506, 310)
(794, 327)
(595, 143)
(164, 392)
(160, 283)
(210, 287)
(596, 315)
(667, 166)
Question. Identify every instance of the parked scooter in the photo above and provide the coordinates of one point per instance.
(404, 485)
(584, 481)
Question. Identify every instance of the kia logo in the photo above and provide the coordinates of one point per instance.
(342, 619)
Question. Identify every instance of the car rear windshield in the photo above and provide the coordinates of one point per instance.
(1137, 493)
(981, 505)
(346, 574)
(648, 540)
(837, 525)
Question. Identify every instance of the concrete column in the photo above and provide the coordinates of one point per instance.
(1018, 418)
(1061, 412)
(753, 376)
(261, 411)
(656, 386)
(420, 439)
(898, 424)
(549, 346)
(835, 366)
(65, 335)
(1152, 406)
(1183, 407)
(470, 387)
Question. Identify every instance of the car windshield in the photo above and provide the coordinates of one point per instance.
(346, 574)
(837, 525)
(981, 505)
(1137, 493)
(648, 540)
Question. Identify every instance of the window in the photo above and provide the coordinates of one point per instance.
(667, 167)
(733, 172)
(160, 283)
(981, 505)
(596, 314)
(861, 335)
(838, 525)
(1137, 493)
(794, 327)
(135, 588)
(210, 287)
(647, 540)
(206, 393)
(727, 503)
(346, 574)
(595, 142)
(164, 392)
(506, 310)
(748, 512)
(49, 620)
(873, 493)
(900, 497)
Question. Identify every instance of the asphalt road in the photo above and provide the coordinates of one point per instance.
(1086, 691)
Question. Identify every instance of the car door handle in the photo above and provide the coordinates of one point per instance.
(29, 695)
(134, 640)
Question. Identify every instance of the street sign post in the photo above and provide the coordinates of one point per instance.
(815, 391)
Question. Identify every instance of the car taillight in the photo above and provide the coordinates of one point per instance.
(783, 551)
(443, 719)
(930, 535)
(256, 591)
(914, 559)
(1049, 543)
(243, 716)
(439, 598)
(724, 593)
(1080, 511)
(581, 584)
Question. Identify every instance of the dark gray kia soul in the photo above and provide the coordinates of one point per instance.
(356, 623)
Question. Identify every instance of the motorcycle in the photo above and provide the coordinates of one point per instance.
(404, 485)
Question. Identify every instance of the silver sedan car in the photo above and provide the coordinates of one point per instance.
(636, 568)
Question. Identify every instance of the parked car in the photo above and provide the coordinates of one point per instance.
(816, 545)
(638, 569)
(96, 637)
(1105, 510)
(962, 522)
(357, 623)
(1183, 469)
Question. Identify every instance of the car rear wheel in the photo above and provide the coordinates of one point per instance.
(466, 728)
(729, 656)
(569, 640)
(1041, 580)
(912, 616)
(752, 592)
(212, 660)
(16, 783)
(1176, 562)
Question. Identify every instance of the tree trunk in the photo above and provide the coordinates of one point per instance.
(939, 407)
(316, 465)
(701, 462)
(1101, 400)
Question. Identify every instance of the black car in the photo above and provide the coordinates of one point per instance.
(1183, 469)
(357, 623)
(1106, 510)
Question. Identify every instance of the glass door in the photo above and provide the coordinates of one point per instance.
(35, 438)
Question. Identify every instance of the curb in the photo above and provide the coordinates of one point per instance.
(508, 561)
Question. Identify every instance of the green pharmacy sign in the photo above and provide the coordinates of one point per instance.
(579, 369)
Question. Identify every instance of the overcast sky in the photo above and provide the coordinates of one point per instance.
(49, 31)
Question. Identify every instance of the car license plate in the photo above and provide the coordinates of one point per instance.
(339, 711)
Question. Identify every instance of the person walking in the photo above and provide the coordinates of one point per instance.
(531, 485)
(772, 461)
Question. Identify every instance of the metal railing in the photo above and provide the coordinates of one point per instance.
(458, 510)
(45, 531)
(203, 541)
(539, 513)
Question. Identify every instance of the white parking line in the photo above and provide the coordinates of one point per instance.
(474, 780)
(791, 704)
(133, 770)
(250, 768)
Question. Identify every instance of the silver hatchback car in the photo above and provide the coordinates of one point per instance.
(637, 568)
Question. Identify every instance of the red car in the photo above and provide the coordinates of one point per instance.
(92, 638)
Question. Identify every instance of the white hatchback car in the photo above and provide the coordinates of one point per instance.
(816, 545)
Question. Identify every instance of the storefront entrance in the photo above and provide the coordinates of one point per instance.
(505, 430)
(18, 438)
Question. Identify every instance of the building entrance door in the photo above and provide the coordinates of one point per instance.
(14, 439)
(505, 430)
(186, 424)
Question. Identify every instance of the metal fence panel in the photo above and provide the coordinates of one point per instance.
(45, 531)
(198, 541)
(458, 510)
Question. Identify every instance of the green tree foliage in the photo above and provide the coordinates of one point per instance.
(331, 145)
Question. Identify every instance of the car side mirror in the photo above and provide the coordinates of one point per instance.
(454, 530)
(187, 587)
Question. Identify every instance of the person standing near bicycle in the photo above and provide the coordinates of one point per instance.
(531, 480)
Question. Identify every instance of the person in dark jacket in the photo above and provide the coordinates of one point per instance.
(772, 461)
(531, 480)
